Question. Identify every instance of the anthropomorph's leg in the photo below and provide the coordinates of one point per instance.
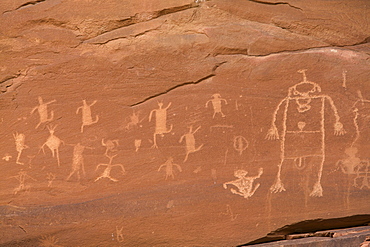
(278, 186)
(18, 157)
(155, 141)
(254, 190)
(57, 153)
(317, 188)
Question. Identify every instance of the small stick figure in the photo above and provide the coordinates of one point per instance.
(19, 145)
(30, 158)
(86, 114)
(50, 177)
(7, 157)
(190, 142)
(42, 109)
(109, 166)
(110, 145)
(119, 233)
(169, 168)
(134, 121)
(21, 177)
(229, 212)
(160, 122)
(137, 144)
(244, 184)
(53, 143)
(363, 171)
(217, 104)
(78, 161)
(350, 164)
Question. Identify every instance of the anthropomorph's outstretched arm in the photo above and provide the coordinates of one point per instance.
(169, 104)
(338, 126)
(78, 109)
(93, 103)
(151, 114)
(196, 130)
(273, 133)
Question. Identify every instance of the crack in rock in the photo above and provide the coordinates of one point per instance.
(147, 16)
(25, 5)
(276, 3)
(181, 85)
(245, 52)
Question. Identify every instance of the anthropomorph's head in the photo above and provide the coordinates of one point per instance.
(305, 88)
(240, 173)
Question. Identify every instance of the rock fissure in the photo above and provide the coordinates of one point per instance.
(245, 52)
(147, 16)
(25, 5)
(276, 3)
(173, 88)
(181, 85)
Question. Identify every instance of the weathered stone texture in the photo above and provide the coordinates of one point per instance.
(181, 113)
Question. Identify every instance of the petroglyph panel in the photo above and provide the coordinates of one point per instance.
(180, 123)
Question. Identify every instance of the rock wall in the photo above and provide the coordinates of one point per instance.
(180, 123)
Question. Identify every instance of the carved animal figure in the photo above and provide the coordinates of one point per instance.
(53, 143)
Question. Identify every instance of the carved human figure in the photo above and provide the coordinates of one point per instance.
(363, 172)
(169, 165)
(110, 145)
(86, 114)
(53, 143)
(160, 122)
(107, 170)
(190, 142)
(244, 184)
(133, 121)
(229, 212)
(21, 177)
(7, 157)
(137, 144)
(303, 129)
(50, 177)
(19, 139)
(119, 233)
(350, 164)
(78, 161)
(358, 107)
(42, 109)
(217, 104)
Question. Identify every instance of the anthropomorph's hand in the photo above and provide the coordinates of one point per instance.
(317, 190)
(338, 129)
(277, 187)
(272, 133)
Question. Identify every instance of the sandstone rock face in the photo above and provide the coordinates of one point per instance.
(180, 123)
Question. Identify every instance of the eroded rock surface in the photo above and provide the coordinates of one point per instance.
(180, 123)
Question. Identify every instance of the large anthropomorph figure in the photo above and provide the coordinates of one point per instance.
(302, 134)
